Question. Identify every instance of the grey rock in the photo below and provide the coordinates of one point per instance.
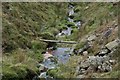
(80, 50)
(108, 32)
(91, 69)
(100, 68)
(103, 52)
(77, 70)
(99, 60)
(85, 64)
(82, 71)
(42, 66)
(43, 75)
(108, 68)
(106, 58)
(85, 53)
(112, 62)
(91, 38)
(112, 44)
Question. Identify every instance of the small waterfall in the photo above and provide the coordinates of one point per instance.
(62, 54)
(78, 24)
(70, 20)
(71, 12)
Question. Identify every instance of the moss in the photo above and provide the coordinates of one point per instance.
(69, 24)
(37, 45)
(17, 72)
(52, 72)
(80, 45)
(47, 35)
(25, 21)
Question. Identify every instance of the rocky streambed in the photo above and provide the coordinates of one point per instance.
(100, 62)
(52, 58)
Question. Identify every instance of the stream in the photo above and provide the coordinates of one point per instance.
(61, 54)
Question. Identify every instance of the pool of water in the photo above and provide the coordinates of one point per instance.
(61, 54)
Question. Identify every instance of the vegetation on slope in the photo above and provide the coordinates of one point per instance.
(95, 17)
(23, 25)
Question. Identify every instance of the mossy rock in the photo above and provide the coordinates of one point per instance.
(37, 45)
(69, 24)
(64, 28)
(52, 72)
(73, 27)
(47, 35)
(77, 9)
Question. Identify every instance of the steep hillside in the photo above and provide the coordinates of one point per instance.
(99, 29)
(25, 23)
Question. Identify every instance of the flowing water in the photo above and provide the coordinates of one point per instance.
(69, 29)
(61, 54)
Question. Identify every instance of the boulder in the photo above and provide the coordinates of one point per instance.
(85, 64)
(80, 50)
(103, 52)
(99, 60)
(106, 67)
(100, 68)
(108, 32)
(112, 62)
(85, 53)
(112, 45)
(106, 58)
(91, 38)
(43, 75)
(82, 71)
(42, 67)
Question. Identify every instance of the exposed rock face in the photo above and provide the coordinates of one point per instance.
(95, 63)
(112, 44)
(101, 62)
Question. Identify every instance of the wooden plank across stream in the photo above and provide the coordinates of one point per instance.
(59, 41)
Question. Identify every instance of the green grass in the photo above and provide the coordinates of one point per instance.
(25, 23)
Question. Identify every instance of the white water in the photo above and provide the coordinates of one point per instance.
(62, 54)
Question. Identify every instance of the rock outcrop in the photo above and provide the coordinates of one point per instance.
(101, 62)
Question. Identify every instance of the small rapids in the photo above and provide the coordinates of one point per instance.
(61, 55)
